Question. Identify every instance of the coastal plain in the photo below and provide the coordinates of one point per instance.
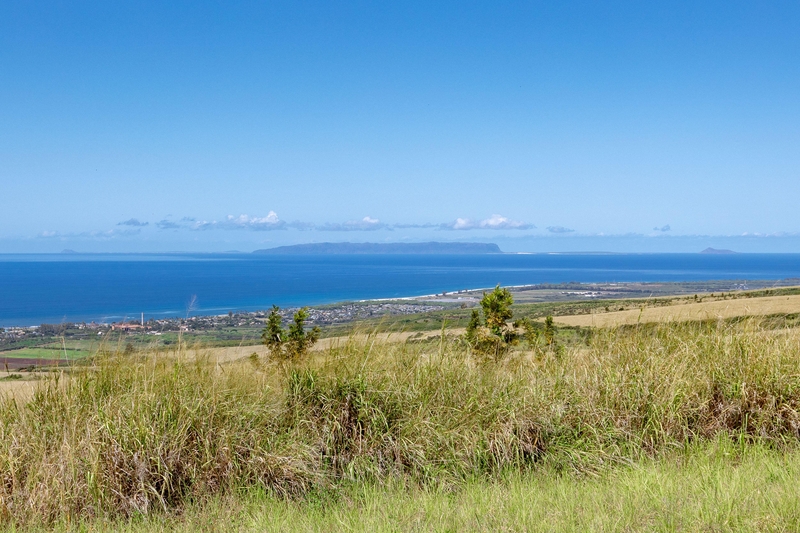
(574, 305)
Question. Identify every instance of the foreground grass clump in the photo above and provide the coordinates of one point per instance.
(717, 486)
(134, 436)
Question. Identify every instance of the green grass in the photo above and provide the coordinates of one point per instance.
(719, 486)
(370, 428)
(45, 353)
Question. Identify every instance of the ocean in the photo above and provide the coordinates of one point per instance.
(55, 288)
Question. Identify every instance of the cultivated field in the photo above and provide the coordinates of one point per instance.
(20, 387)
(683, 311)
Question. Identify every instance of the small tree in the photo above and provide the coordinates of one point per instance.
(290, 345)
(472, 327)
(549, 331)
(531, 332)
(495, 335)
(299, 340)
(273, 335)
(497, 310)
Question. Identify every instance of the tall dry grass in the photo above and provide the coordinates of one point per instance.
(151, 433)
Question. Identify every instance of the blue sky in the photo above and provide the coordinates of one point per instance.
(204, 126)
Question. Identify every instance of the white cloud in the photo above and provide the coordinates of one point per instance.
(501, 222)
(231, 222)
(244, 221)
(168, 224)
(495, 222)
(463, 223)
(272, 222)
(198, 225)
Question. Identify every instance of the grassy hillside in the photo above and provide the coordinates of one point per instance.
(152, 435)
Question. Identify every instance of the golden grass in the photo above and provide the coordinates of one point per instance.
(20, 389)
(718, 309)
(229, 354)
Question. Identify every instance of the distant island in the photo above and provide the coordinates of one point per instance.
(717, 251)
(386, 248)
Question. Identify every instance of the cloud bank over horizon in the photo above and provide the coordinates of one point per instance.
(135, 240)
(272, 222)
(248, 232)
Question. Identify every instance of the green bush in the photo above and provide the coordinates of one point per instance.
(292, 344)
(493, 336)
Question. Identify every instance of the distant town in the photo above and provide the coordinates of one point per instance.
(317, 316)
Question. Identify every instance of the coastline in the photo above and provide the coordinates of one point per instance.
(37, 292)
(523, 293)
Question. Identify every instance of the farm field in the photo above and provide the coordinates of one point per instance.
(45, 353)
(18, 386)
(683, 311)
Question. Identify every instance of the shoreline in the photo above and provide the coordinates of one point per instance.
(444, 299)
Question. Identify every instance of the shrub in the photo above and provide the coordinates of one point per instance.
(494, 336)
(291, 345)
(549, 331)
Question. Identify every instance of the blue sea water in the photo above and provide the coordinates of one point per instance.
(53, 288)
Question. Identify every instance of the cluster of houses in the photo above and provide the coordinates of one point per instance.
(329, 315)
